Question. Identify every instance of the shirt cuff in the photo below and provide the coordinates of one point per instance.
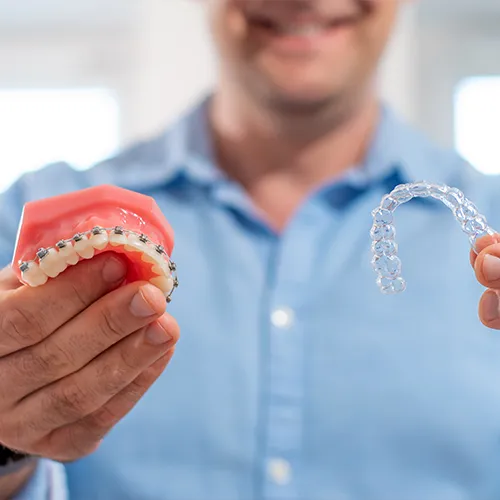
(47, 483)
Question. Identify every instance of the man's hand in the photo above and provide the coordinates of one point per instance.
(486, 264)
(76, 355)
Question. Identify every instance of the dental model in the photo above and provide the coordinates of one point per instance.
(385, 261)
(58, 232)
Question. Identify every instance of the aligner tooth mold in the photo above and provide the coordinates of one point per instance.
(385, 260)
(58, 232)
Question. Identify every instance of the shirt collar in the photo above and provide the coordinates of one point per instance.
(183, 151)
(399, 150)
(190, 150)
(398, 153)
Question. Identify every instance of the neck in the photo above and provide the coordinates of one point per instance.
(280, 155)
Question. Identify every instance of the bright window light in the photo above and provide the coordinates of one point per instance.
(477, 122)
(37, 127)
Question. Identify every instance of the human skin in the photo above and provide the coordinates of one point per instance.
(485, 261)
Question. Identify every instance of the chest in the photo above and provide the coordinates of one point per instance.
(288, 349)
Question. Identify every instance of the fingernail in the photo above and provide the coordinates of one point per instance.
(142, 304)
(491, 267)
(156, 334)
(114, 270)
(491, 306)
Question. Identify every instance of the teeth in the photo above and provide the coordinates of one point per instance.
(67, 251)
(157, 260)
(161, 268)
(33, 275)
(149, 256)
(164, 283)
(53, 264)
(50, 262)
(136, 244)
(83, 247)
(99, 240)
(302, 29)
(116, 239)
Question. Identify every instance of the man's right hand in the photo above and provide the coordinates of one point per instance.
(76, 355)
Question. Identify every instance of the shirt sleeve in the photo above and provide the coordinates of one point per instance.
(11, 206)
(47, 483)
(49, 181)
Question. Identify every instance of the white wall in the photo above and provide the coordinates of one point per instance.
(173, 62)
(451, 50)
(400, 68)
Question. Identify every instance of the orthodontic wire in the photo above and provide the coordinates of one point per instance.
(42, 252)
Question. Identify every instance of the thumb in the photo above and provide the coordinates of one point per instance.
(8, 279)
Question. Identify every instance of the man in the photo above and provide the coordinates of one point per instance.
(295, 377)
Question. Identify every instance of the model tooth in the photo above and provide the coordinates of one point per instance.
(136, 244)
(83, 246)
(33, 275)
(53, 264)
(161, 267)
(99, 240)
(164, 283)
(117, 239)
(150, 256)
(67, 251)
(157, 260)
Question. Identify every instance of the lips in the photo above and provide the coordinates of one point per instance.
(304, 18)
(306, 28)
(302, 23)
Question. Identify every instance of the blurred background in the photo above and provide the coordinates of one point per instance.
(81, 78)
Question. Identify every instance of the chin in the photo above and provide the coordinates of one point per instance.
(299, 86)
(304, 97)
(298, 102)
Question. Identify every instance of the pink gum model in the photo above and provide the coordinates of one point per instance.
(58, 232)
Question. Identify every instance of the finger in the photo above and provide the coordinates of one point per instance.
(487, 266)
(28, 315)
(85, 391)
(106, 322)
(83, 437)
(481, 244)
(489, 309)
(8, 279)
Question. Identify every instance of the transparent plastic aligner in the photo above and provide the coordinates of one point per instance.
(385, 261)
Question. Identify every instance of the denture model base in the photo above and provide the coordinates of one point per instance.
(58, 232)
(385, 261)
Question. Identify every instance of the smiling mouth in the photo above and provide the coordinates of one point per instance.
(302, 28)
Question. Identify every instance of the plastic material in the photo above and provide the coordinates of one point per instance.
(385, 261)
(58, 232)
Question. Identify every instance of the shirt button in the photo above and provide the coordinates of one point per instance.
(279, 470)
(282, 317)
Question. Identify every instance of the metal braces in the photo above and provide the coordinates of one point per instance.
(43, 252)
(385, 261)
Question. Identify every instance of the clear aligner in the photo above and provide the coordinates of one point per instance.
(101, 232)
(385, 261)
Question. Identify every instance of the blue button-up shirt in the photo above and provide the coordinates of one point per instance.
(295, 378)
